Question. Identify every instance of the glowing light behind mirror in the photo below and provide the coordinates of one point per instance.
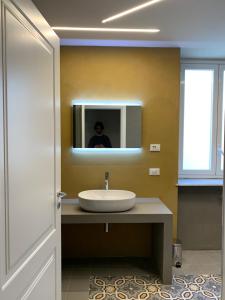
(111, 102)
(107, 151)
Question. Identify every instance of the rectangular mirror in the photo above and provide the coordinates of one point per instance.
(106, 126)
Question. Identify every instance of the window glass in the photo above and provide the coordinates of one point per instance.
(198, 119)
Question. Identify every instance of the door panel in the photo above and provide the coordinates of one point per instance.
(29, 155)
(42, 287)
(30, 185)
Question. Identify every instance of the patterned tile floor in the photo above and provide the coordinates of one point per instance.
(76, 278)
(197, 287)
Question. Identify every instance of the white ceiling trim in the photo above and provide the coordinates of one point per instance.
(116, 43)
(189, 50)
(135, 43)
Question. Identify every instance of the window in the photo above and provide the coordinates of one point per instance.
(202, 120)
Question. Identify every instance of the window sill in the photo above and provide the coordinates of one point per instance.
(200, 182)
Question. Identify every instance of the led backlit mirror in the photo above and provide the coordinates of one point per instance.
(106, 126)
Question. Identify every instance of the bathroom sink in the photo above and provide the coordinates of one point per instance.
(106, 200)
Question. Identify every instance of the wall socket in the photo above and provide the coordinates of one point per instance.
(155, 147)
(154, 171)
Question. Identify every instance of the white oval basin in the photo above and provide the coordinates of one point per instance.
(106, 200)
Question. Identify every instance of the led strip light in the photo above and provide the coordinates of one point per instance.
(131, 10)
(96, 29)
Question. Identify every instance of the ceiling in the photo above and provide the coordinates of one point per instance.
(196, 26)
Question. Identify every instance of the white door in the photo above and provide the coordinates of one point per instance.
(29, 155)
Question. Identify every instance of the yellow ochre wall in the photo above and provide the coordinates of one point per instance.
(151, 75)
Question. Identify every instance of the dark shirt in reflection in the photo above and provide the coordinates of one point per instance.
(100, 141)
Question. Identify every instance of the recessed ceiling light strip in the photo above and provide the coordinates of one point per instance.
(131, 10)
(95, 29)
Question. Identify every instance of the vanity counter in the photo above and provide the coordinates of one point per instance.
(146, 210)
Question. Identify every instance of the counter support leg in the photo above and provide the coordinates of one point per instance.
(162, 250)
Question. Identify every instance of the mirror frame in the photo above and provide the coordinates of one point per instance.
(102, 105)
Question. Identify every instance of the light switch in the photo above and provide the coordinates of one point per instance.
(155, 147)
(154, 171)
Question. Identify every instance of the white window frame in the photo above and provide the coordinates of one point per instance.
(212, 173)
(219, 171)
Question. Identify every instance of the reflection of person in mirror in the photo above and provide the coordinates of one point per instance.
(99, 140)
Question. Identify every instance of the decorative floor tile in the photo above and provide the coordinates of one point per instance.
(194, 287)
